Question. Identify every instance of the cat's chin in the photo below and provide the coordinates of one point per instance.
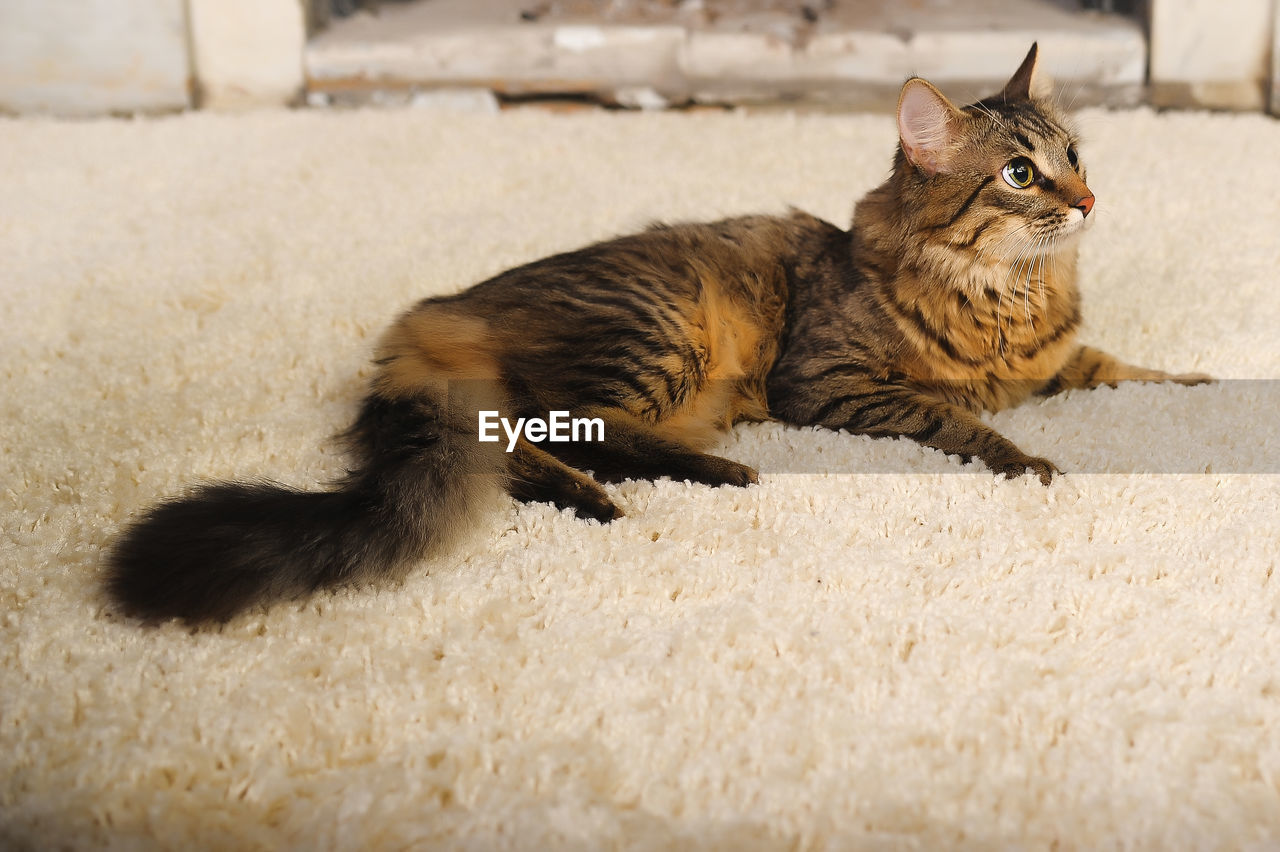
(1075, 225)
(1068, 234)
(1064, 237)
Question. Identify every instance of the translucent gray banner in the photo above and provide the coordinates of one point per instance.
(1227, 427)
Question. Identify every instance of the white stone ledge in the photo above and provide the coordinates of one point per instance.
(438, 44)
(511, 59)
(1212, 53)
(1275, 59)
(247, 53)
(70, 57)
(1110, 57)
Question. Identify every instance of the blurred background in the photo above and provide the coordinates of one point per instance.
(124, 57)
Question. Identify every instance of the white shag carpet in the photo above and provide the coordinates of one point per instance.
(915, 657)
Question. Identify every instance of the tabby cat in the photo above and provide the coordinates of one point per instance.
(953, 292)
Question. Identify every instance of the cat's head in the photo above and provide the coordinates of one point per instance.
(1003, 172)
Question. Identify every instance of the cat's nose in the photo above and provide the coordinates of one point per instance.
(1084, 204)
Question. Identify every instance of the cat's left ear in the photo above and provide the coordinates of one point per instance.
(1028, 83)
(928, 126)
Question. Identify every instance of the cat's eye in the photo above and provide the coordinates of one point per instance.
(1020, 173)
(1072, 157)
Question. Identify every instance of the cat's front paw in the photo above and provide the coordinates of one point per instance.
(1019, 465)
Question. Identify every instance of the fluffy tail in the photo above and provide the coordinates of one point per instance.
(229, 546)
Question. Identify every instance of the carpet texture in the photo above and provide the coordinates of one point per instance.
(877, 647)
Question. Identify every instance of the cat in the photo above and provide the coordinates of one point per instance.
(954, 292)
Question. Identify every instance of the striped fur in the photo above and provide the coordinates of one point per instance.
(954, 292)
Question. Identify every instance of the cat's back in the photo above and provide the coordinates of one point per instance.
(677, 324)
(745, 258)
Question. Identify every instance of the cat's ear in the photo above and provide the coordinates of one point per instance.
(928, 126)
(1028, 82)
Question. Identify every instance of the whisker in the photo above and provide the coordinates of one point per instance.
(1051, 242)
(1037, 256)
(1010, 277)
(992, 249)
(1079, 90)
(1052, 248)
(987, 112)
(1026, 289)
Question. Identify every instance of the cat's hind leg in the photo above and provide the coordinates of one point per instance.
(629, 450)
(536, 476)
